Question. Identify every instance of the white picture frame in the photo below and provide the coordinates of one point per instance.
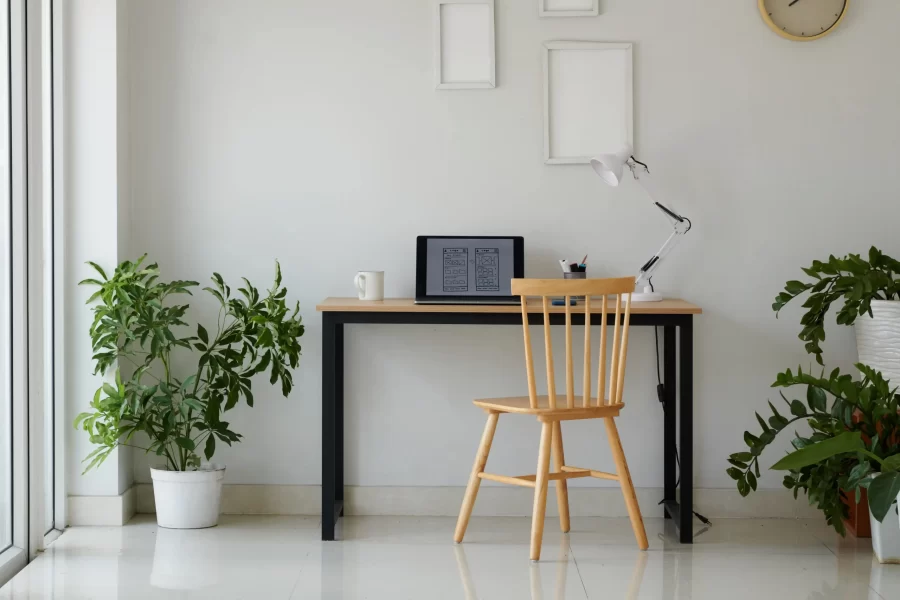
(464, 50)
(588, 100)
(568, 8)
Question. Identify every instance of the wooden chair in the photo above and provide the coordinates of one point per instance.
(551, 410)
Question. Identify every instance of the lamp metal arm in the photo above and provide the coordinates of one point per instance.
(649, 267)
(681, 226)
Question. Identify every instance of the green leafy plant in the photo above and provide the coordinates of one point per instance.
(138, 326)
(865, 408)
(852, 279)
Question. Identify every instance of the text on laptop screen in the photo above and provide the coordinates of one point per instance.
(469, 267)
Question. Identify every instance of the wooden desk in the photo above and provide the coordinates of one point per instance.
(678, 355)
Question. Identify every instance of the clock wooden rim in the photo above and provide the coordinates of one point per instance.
(764, 13)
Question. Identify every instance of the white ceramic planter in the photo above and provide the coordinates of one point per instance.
(188, 499)
(886, 537)
(878, 339)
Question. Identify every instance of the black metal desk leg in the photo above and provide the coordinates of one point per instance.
(330, 424)
(686, 433)
(669, 420)
(339, 407)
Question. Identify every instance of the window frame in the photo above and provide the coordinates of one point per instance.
(47, 305)
(15, 557)
(61, 425)
(34, 243)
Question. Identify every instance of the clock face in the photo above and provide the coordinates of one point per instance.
(804, 18)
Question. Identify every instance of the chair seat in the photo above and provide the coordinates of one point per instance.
(522, 405)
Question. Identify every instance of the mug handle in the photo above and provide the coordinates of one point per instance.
(360, 282)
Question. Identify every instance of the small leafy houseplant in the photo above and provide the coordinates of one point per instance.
(855, 442)
(851, 279)
(139, 332)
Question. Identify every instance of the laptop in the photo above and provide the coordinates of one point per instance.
(467, 269)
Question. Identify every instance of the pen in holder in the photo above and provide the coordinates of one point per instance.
(576, 275)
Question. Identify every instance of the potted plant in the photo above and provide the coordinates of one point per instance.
(855, 443)
(883, 486)
(138, 332)
(869, 290)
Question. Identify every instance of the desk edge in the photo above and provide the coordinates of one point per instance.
(639, 308)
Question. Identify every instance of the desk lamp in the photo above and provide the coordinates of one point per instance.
(610, 168)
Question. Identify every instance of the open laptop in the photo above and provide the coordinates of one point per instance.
(468, 269)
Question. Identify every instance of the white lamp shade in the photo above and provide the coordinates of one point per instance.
(611, 166)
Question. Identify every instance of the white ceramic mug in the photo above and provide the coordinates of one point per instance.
(370, 285)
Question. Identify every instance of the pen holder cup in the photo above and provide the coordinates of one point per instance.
(577, 275)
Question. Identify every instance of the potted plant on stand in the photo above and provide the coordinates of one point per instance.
(855, 443)
(137, 330)
(870, 291)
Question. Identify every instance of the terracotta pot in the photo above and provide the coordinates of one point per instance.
(858, 521)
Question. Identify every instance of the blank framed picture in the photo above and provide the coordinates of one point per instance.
(464, 44)
(568, 8)
(587, 100)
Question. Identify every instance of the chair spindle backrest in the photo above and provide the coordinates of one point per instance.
(621, 288)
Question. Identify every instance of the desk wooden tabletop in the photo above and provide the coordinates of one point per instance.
(668, 306)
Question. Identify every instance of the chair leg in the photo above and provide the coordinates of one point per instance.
(634, 510)
(540, 490)
(474, 481)
(562, 487)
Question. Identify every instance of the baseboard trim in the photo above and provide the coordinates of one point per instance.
(492, 501)
(102, 511)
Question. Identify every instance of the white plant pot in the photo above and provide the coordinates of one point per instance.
(886, 537)
(878, 339)
(188, 499)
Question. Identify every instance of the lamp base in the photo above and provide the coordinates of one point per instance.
(647, 295)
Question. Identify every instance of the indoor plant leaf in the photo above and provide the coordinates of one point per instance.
(883, 492)
(814, 453)
(186, 443)
(210, 448)
(816, 399)
(891, 463)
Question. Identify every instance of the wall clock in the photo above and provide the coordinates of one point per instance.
(803, 20)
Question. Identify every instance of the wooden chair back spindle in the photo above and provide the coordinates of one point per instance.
(586, 384)
(601, 374)
(548, 349)
(614, 363)
(570, 372)
(529, 361)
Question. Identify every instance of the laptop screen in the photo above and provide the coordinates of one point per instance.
(469, 266)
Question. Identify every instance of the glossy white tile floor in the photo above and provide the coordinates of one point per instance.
(407, 557)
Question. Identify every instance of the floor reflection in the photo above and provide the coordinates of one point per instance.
(637, 575)
(184, 559)
(403, 557)
(536, 579)
(331, 569)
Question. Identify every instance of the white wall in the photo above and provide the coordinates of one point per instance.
(96, 209)
(310, 131)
